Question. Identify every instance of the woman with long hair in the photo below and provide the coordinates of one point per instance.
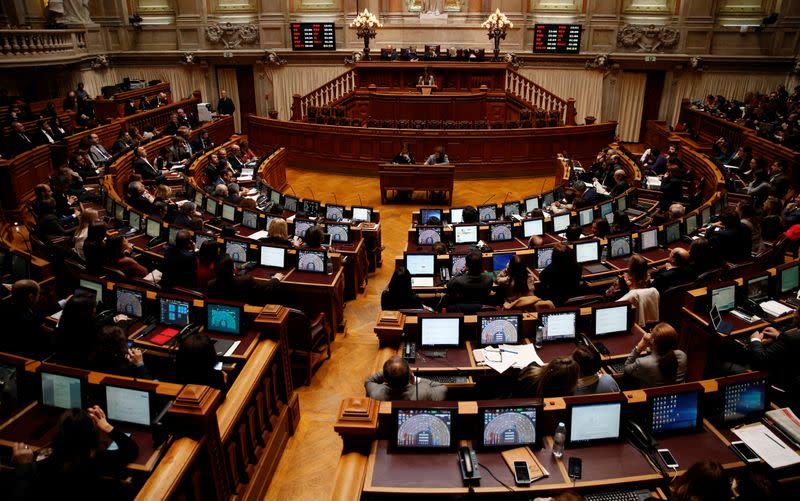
(86, 219)
(555, 379)
(561, 279)
(118, 255)
(398, 295)
(656, 359)
(516, 282)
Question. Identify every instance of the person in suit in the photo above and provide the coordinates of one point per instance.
(671, 187)
(439, 157)
(97, 152)
(173, 125)
(585, 193)
(232, 287)
(18, 141)
(225, 104)
(47, 225)
(179, 153)
(779, 357)
(472, 287)
(22, 314)
(395, 382)
(143, 167)
(655, 360)
(779, 181)
(123, 143)
(137, 199)
(44, 133)
(203, 141)
(70, 102)
(730, 239)
(118, 254)
(561, 279)
(234, 194)
(558, 377)
(621, 185)
(180, 263)
(676, 272)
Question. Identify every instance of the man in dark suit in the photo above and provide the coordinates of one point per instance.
(136, 198)
(730, 239)
(621, 185)
(24, 320)
(203, 142)
(18, 142)
(588, 194)
(676, 272)
(44, 133)
(235, 159)
(780, 357)
(180, 263)
(779, 182)
(225, 105)
(141, 165)
(472, 287)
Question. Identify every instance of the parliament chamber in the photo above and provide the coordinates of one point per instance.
(257, 249)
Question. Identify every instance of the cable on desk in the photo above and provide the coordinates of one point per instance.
(492, 474)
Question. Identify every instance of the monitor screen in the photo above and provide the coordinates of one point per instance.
(744, 400)
(250, 219)
(311, 207)
(606, 209)
(622, 204)
(611, 320)
(290, 203)
(199, 238)
(548, 199)
(674, 412)
(425, 216)
(511, 209)
(301, 226)
(510, 426)
(428, 428)
(311, 260)
(153, 228)
(459, 263)
(134, 220)
(174, 311)
(224, 318)
(500, 329)
(237, 250)
(172, 235)
(531, 203)
(456, 215)
(620, 246)
(672, 233)
(757, 288)
(558, 325)
(705, 215)
(531, 227)
(421, 264)
(789, 278)
(592, 422)
(275, 196)
(128, 405)
(198, 198)
(586, 252)
(440, 331)
(61, 391)
(560, 223)
(211, 206)
(691, 224)
(585, 216)
(544, 255)
(334, 212)
(500, 261)
(648, 239)
(339, 232)
(429, 235)
(501, 232)
(274, 257)
(93, 286)
(466, 234)
(119, 212)
(362, 214)
(724, 298)
(487, 212)
(228, 212)
(130, 302)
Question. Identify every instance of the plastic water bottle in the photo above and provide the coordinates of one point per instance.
(539, 335)
(559, 439)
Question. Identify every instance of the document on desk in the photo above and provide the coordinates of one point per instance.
(259, 235)
(775, 309)
(768, 446)
(507, 355)
(599, 188)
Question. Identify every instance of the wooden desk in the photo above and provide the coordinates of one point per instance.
(318, 292)
(416, 177)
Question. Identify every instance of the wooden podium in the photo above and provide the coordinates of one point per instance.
(426, 90)
(416, 177)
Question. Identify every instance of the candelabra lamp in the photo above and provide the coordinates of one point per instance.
(497, 24)
(366, 25)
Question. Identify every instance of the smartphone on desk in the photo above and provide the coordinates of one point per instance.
(522, 475)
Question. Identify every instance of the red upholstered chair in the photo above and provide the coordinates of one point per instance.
(306, 337)
(465, 124)
(403, 124)
(497, 124)
(512, 125)
(481, 124)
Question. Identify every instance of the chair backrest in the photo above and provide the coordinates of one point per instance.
(709, 277)
(299, 328)
(584, 300)
(736, 270)
(671, 303)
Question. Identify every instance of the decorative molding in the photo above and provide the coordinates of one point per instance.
(696, 63)
(355, 57)
(650, 38)
(599, 63)
(189, 58)
(100, 61)
(513, 60)
(233, 36)
(272, 59)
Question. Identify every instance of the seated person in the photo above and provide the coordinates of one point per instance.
(439, 157)
(515, 282)
(676, 272)
(645, 299)
(244, 288)
(142, 166)
(47, 225)
(138, 198)
(779, 357)
(186, 213)
(470, 215)
(730, 239)
(404, 157)
(655, 360)
(555, 379)
(591, 380)
(278, 233)
(195, 362)
(112, 355)
(601, 228)
(180, 263)
(561, 279)
(706, 481)
(396, 382)
(573, 233)
(23, 321)
(313, 238)
(671, 187)
(622, 183)
(76, 331)
(207, 257)
(398, 295)
(472, 287)
(118, 255)
(203, 141)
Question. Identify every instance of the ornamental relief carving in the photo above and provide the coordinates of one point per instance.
(232, 36)
(648, 38)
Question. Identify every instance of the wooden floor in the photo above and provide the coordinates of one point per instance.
(308, 466)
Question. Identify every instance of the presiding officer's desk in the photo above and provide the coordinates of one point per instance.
(416, 177)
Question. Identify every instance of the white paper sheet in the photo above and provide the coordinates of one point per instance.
(768, 446)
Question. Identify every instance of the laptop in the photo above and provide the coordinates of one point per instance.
(588, 255)
(716, 321)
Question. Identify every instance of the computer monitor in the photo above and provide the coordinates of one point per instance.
(724, 298)
(466, 233)
(362, 214)
(674, 410)
(606, 208)
(275, 196)
(561, 223)
(511, 209)
(611, 319)
(421, 264)
(224, 318)
(173, 311)
(757, 288)
(547, 199)
(172, 234)
(128, 405)
(672, 232)
(426, 214)
(690, 224)
(109, 206)
(500, 261)
(429, 235)
(340, 233)
(198, 198)
(788, 279)
(509, 425)
(587, 252)
(211, 206)
(499, 329)
(487, 213)
(531, 203)
(312, 208)
(594, 422)
(531, 227)
(544, 256)
(558, 325)
(273, 257)
(705, 215)
(301, 226)
(456, 215)
(742, 398)
(458, 262)
(620, 246)
(199, 238)
(119, 212)
(96, 287)
(130, 302)
(290, 203)
(586, 216)
(441, 330)
(648, 239)
(237, 250)
(134, 220)
(622, 204)
(501, 232)
(229, 213)
(153, 228)
(334, 212)
(62, 389)
(423, 428)
(250, 219)
(314, 261)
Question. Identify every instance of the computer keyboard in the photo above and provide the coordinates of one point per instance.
(445, 378)
(632, 495)
(434, 353)
(617, 368)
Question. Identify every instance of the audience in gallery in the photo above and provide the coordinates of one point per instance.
(47, 225)
(196, 360)
(228, 285)
(644, 298)
(656, 359)
(399, 295)
(601, 228)
(139, 198)
(471, 288)
(561, 279)
(591, 380)
(396, 382)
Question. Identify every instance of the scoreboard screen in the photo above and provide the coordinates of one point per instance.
(558, 38)
(313, 36)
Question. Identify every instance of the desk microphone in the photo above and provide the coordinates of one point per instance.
(290, 187)
(334, 198)
(490, 197)
(416, 384)
(359, 199)
(506, 198)
(312, 193)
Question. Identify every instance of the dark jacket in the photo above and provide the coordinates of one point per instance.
(145, 168)
(48, 228)
(556, 287)
(225, 106)
(780, 359)
(671, 191)
(246, 289)
(180, 268)
(468, 288)
(732, 244)
(140, 203)
(390, 301)
(666, 278)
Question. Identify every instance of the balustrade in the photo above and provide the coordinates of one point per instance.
(26, 43)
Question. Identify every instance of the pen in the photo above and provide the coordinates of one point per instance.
(779, 444)
(508, 351)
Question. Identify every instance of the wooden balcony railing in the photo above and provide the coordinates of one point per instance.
(326, 95)
(46, 44)
(539, 98)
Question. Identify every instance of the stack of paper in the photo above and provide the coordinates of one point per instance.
(507, 355)
(768, 446)
(775, 309)
(259, 235)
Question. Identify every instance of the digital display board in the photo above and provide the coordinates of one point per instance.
(313, 36)
(557, 38)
